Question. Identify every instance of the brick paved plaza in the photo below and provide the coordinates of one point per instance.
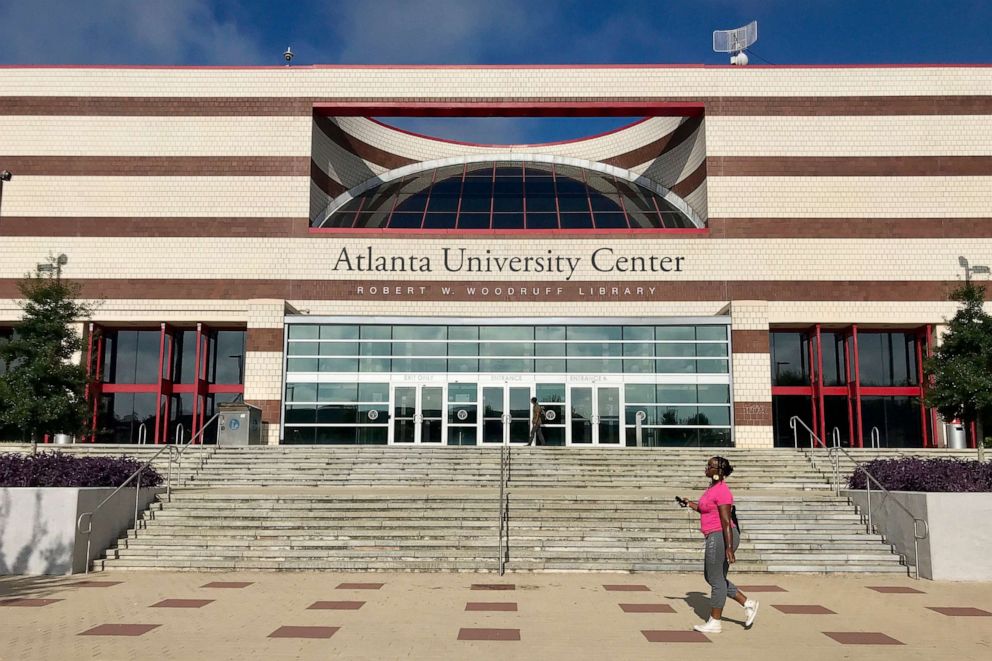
(127, 615)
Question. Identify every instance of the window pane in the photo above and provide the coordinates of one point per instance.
(337, 392)
(643, 333)
(789, 359)
(337, 348)
(639, 393)
(303, 332)
(675, 333)
(594, 333)
(419, 332)
(506, 333)
(376, 332)
(338, 332)
(711, 332)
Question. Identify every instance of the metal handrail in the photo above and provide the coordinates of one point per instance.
(181, 449)
(137, 492)
(142, 434)
(503, 538)
(175, 454)
(917, 537)
(876, 441)
(833, 454)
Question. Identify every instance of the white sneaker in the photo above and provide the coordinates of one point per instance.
(711, 626)
(750, 612)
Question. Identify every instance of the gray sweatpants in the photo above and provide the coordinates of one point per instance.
(715, 568)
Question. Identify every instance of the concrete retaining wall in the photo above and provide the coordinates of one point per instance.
(957, 548)
(38, 526)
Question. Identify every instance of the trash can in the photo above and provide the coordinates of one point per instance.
(62, 439)
(957, 439)
(239, 424)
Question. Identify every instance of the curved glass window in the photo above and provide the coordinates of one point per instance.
(509, 196)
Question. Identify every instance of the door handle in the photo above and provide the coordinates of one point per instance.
(418, 418)
(595, 419)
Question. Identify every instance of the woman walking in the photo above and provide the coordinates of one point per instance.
(719, 527)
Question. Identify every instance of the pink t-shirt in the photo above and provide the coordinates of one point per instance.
(709, 512)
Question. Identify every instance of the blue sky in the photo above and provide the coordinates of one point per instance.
(255, 32)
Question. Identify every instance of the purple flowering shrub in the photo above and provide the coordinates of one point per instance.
(55, 469)
(930, 475)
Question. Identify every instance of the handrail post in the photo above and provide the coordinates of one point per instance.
(868, 497)
(137, 494)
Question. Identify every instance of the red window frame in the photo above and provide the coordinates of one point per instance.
(852, 389)
(165, 387)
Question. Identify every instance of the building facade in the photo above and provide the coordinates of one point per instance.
(766, 243)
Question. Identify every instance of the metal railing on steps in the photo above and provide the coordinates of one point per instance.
(503, 539)
(175, 455)
(921, 529)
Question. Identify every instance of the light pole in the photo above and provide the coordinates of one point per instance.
(5, 176)
(969, 269)
(55, 266)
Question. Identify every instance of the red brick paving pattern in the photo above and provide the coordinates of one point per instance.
(960, 611)
(182, 603)
(761, 588)
(27, 602)
(626, 588)
(508, 606)
(803, 609)
(304, 632)
(861, 638)
(679, 636)
(120, 630)
(493, 586)
(646, 608)
(228, 584)
(894, 589)
(360, 586)
(488, 634)
(336, 605)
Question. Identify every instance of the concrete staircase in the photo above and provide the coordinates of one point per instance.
(436, 509)
(572, 468)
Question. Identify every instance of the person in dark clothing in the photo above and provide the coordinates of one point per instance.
(536, 419)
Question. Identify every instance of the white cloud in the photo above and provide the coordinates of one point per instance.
(122, 32)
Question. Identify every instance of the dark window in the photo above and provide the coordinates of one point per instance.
(898, 420)
(784, 407)
(131, 356)
(887, 359)
(790, 358)
(833, 359)
(228, 353)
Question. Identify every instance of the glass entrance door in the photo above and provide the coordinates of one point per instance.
(418, 413)
(594, 415)
(505, 415)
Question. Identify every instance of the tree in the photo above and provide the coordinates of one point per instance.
(42, 391)
(959, 374)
